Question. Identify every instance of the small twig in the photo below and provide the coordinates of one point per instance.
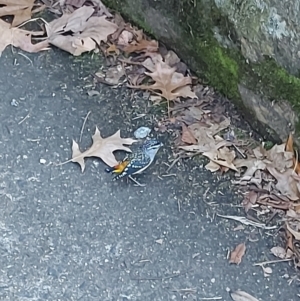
(211, 298)
(246, 221)
(26, 57)
(26, 117)
(271, 261)
(272, 216)
(169, 175)
(136, 182)
(205, 193)
(239, 151)
(84, 122)
(139, 116)
(173, 163)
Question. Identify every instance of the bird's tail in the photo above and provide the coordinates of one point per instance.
(109, 169)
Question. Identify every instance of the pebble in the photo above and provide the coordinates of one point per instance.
(14, 103)
(142, 132)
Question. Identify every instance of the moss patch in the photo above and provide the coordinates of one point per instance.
(222, 71)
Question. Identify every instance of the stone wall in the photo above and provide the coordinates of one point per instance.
(248, 50)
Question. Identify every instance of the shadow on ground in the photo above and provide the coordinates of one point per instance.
(67, 235)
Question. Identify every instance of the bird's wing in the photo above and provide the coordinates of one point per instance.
(137, 164)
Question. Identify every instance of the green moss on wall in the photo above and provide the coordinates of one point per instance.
(279, 83)
(222, 71)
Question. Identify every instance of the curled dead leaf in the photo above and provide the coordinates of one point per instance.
(237, 254)
(289, 146)
(19, 38)
(279, 252)
(286, 183)
(242, 296)
(101, 148)
(187, 136)
(20, 10)
(171, 84)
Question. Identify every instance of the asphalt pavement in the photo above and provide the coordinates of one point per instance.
(68, 235)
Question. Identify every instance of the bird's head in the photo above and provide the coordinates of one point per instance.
(151, 146)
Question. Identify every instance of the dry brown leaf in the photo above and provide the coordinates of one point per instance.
(252, 165)
(194, 112)
(220, 126)
(150, 62)
(171, 58)
(295, 233)
(187, 136)
(260, 152)
(242, 296)
(277, 156)
(249, 200)
(237, 254)
(142, 46)
(112, 49)
(280, 158)
(125, 38)
(205, 141)
(212, 166)
(223, 157)
(100, 8)
(170, 83)
(286, 183)
(289, 243)
(279, 252)
(19, 38)
(79, 32)
(19, 9)
(102, 148)
(289, 146)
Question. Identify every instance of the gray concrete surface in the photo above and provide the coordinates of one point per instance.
(67, 235)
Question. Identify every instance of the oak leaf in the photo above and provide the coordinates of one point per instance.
(171, 84)
(21, 10)
(237, 254)
(286, 183)
(281, 159)
(223, 157)
(80, 31)
(102, 148)
(207, 140)
(19, 38)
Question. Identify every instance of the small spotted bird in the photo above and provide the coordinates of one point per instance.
(137, 162)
